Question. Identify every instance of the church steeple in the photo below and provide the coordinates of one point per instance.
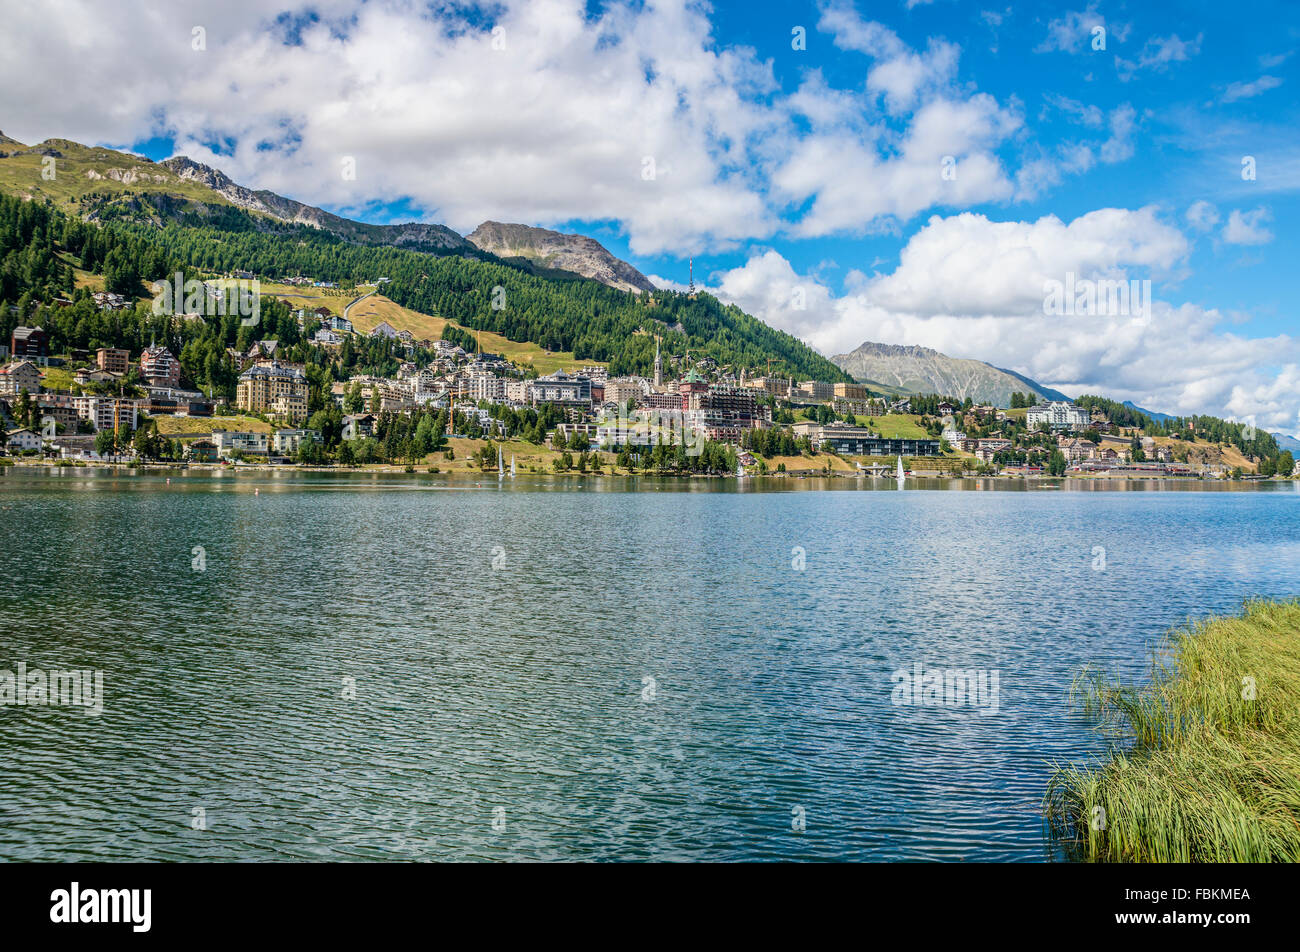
(659, 365)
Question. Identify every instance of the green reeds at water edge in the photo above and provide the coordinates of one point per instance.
(1207, 766)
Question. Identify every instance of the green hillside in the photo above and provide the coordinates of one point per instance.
(154, 216)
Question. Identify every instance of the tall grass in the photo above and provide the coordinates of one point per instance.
(1207, 764)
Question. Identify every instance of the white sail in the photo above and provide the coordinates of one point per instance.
(512, 465)
(900, 466)
(501, 465)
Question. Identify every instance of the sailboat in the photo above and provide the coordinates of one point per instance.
(512, 465)
(501, 466)
(900, 466)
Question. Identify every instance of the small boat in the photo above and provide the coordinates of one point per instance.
(512, 465)
(501, 466)
(900, 467)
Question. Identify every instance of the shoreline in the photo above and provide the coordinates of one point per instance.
(1209, 766)
(927, 481)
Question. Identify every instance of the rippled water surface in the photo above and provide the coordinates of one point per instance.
(507, 712)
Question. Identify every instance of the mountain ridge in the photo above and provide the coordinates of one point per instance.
(578, 254)
(915, 369)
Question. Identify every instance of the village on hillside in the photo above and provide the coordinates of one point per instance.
(450, 402)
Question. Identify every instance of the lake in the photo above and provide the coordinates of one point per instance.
(365, 667)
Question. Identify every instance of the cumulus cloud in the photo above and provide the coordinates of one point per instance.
(1247, 228)
(972, 287)
(943, 155)
(534, 111)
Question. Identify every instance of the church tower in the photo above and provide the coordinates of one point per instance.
(659, 365)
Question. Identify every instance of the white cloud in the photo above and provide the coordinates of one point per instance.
(1157, 53)
(1072, 32)
(1242, 90)
(1202, 215)
(1247, 228)
(555, 126)
(1073, 158)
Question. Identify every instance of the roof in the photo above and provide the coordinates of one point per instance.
(272, 370)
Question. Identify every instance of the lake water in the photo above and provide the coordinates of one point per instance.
(604, 670)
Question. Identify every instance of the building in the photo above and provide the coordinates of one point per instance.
(561, 389)
(849, 391)
(113, 359)
(724, 413)
(21, 440)
(816, 390)
(273, 388)
(954, 437)
(985, 450)
(286, 442)
(776, 386)
(30, 342)
(88, 375)
(245, 444)
(693, 389)
(107, 413)
(1059, 415)
(384, 329)
(358, 426)
(1076, 451)
(859, 441)
(108, 301)
(487, 387)
(19, 376)
(202, 451)
(159, 367)
(622, 389)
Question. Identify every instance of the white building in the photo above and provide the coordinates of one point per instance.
(107, 413)
(487, 387)
(1059, 415)
(229, 443)
(286, 442)
(21, 440)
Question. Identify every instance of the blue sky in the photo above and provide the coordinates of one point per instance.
(809, 184)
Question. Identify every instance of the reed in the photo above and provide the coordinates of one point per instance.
(1206, 766)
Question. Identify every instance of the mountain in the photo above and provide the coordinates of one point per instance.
(1158, 417)
(916, 369)
(554, 250)
(1288, 443)
(435, 239)
(101, 184)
